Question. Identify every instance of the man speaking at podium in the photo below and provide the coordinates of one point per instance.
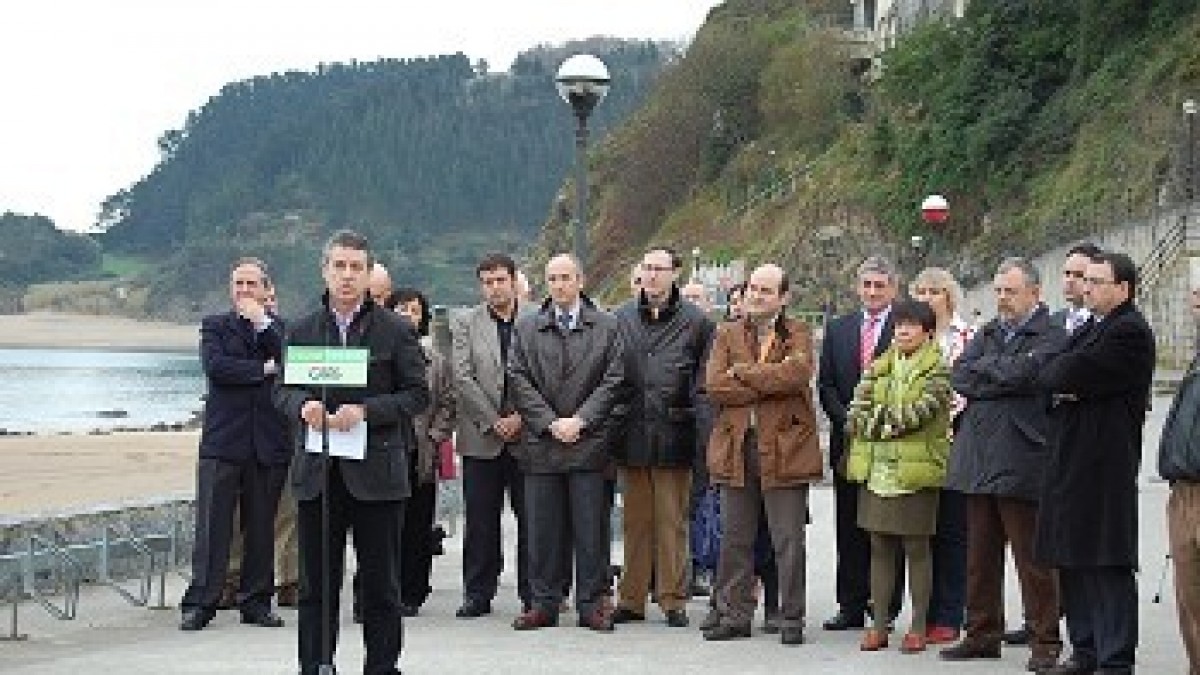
(365, 494)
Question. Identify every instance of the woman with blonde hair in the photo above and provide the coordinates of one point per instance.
(938, 288)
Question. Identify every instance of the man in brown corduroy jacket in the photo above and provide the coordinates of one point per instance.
(764, 447)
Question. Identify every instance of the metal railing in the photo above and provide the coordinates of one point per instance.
(42, 565)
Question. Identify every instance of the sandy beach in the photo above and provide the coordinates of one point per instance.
(54, 474)
(66, 331)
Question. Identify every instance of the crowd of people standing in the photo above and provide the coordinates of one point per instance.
(947, 443)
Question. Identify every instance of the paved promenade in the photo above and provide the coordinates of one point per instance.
(112, 637)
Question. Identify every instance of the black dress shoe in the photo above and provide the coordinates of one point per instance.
(677, 618)
(844, 620)
(1072, 667)
(196, 619)
(624, 615)
(792, 635)
(969, 651)
(408, 611)
(267, 619)
(727, 632)
(771, 624)
(473, 609)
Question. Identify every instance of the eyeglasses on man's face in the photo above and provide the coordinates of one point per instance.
(1097, 281)
(656, 268)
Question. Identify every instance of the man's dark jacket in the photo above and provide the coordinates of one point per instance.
(1179, 447)
(555, 373)
(1000, 445)
(1087, 516)
(241, 423)
(664, 375)
(396, 391)
(839, 371)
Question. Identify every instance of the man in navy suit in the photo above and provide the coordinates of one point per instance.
(244, 452)
(850, 343)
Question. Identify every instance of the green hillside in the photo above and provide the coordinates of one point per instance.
(436, 159)
(1038, 119)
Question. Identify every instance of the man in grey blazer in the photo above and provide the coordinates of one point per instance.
(488, 427)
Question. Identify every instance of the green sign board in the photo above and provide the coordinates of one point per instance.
(328, 366)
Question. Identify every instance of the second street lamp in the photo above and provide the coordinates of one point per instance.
(582, 81)
(1189, 111)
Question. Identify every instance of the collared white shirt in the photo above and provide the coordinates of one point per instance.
(344, 320)
(1076, 317)
(573, 313)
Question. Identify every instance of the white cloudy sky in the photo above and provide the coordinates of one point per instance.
(89, 85)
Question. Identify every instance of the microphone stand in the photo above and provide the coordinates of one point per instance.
(326, 665)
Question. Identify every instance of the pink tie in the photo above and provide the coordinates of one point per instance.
(867, 342)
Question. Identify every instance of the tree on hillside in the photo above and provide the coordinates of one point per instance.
(33, 250)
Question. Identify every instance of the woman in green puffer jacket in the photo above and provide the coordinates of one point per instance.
(899, 425)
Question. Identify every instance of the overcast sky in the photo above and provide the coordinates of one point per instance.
(89, 85)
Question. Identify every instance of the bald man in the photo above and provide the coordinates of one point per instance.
(697, 294)
(763, 449)
(565, 375)
(380, 284)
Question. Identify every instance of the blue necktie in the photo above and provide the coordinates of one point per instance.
(564, 321)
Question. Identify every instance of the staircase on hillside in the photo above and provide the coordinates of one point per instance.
(1164, 247)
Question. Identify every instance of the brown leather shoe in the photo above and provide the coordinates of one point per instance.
(533, 620)
(873, 640)
(1041, 663)
(913, 643)
(288, 595)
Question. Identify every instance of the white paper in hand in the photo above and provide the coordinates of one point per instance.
(350, 444)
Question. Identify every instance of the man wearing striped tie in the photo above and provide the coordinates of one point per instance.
(850, 343)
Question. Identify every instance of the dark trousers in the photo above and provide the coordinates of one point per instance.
(852, 583)
(220, 486)
(376, 527)
(949, 544)
(786, 512)
(992, 522)
(484, 484)
(1102, 615)
(416, 544)
(568, 513)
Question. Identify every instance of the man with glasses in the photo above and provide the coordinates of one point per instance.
(851, 342)
(998, 462)
(1072, 317)
(667, 341)
(1087, 521)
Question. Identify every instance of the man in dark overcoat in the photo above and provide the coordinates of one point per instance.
(999, 459)
(1087, 523)
(566, 372)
